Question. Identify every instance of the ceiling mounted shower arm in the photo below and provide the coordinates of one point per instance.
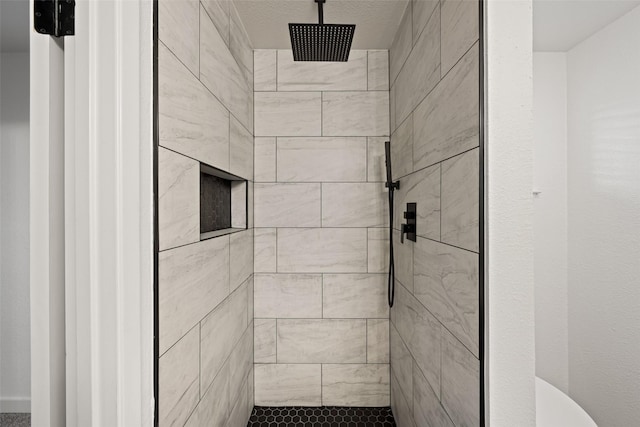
(320, 12)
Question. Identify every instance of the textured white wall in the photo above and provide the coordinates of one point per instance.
(14, 234)
(550, 216)
(511, 351)
(604, 223)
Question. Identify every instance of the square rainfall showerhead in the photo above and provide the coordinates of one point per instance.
(321, 42)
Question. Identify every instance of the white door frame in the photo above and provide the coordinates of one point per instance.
(108, 220)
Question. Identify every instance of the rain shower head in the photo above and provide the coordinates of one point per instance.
(321, 42)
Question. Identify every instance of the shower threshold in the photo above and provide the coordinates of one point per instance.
(324, 416)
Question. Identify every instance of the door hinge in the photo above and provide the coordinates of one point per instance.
(54, 17)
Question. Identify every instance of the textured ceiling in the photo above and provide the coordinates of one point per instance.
(266, 20)
(558, 25)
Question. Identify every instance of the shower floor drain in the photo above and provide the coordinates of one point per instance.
(325, 416)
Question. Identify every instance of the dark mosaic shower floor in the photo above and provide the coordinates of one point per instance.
(326, 416)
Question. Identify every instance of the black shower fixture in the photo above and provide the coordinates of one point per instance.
(321, 42)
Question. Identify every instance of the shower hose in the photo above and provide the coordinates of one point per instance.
(392, 268)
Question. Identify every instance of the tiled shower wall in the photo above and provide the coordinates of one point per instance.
(322, 320)
(205, 67)
(434, 336)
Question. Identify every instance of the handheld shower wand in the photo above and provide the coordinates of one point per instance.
(392, 186)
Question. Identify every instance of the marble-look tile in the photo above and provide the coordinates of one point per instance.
(241, 150)
(427, 410)
(378, 250)
(322, 76)
(264, 250)
(460, 198)
(192, 121)
(401, 409)
(354, 205)
(239, 204)
(178, 380)
(240, 45)
(322, 340)
(378, 75)
(178, 30)
(355, 385)
(288, 114)
(459, 30)
(421, 72)
(264, 63)
(238, 413)
(178, 199)
(218, 11)
(213, 409)
(193, 280)
(320, 250)
(241, 257)
(392, 109)
(358, 296)
(402, 149)
(446, 122)
(288, 385)
(422, 188)
(265, 159)
(403, 257)
(422, 11)
(401, 46)
(322, 159)
(378, 340)
(401, 365)
(288, 295)
(355, 113)
(250, 392)
(265, 341)
(460, 382)
(220, 72)
(250, 204)
(250, 305)
(376, 171)
(420, 331)
(446, 282)
(287, 205)
(240, 364)
(220, 332)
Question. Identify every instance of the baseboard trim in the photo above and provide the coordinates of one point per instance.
(15, 404)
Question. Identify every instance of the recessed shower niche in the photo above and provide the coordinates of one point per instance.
(223, 202)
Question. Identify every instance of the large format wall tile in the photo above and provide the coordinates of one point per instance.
(213, 409)
(191, 120)
(446, 282)
(265, 159)
(354, 205)
(378, 340)
(178, 199)
(401, 409)
(240, 364)
(264, 66)
(378, 250)
(460, 379)
(322, 341)
(355, 113)
(318, 250)
(288, 114)
(420, 331)
(238, 414)
(355, 385)
(460, 200)
(178, 380)
(421, 72)
(376, 171)
(265, 341)
(322, 76)
(288, 385)
(288, 295)
(378, 74)
(178, 30)
(402, 149)
(239, 45)
(241, 257)
(193, 280)
(220, 332)
(357, 296)
(218, 11)
(241, 150)
(422, 188)
(264, 247)
(220, 72)
(403, 260)
(401, 46)
(460, 20)
(321, 159)
(401, 364)
(422, 11)
(287, 205)
(427, 409)
(446, 123)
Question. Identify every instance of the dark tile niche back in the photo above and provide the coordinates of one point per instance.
(215, 203)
